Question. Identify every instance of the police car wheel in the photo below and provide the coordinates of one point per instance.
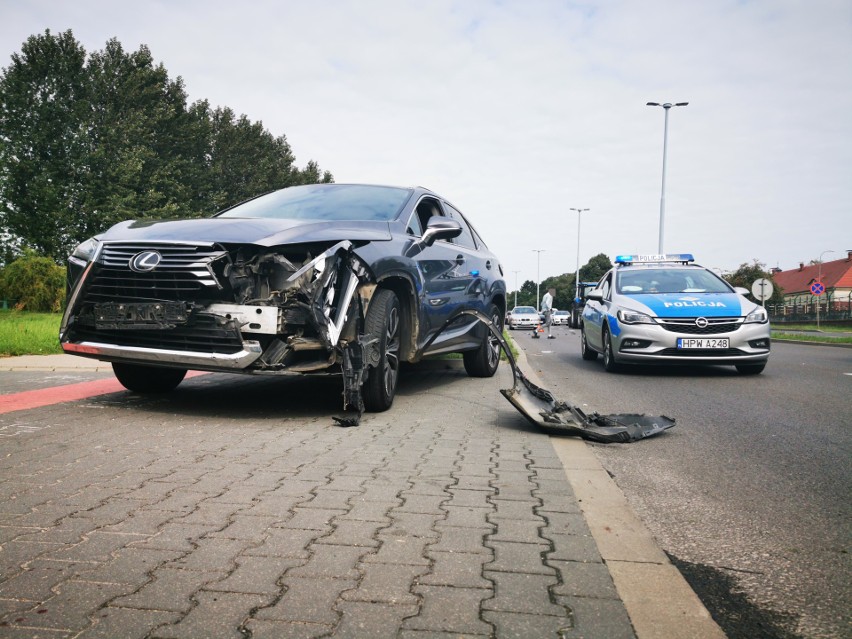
(610, 364)
(585, 351)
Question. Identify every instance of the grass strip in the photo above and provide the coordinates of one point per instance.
(25, 333)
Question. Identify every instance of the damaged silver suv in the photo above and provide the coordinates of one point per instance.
(343, 279)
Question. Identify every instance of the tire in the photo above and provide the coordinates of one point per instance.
(610, 364)
(148, 379)
(750, 369)
(483, 361)
(383, 322)
(585, 351)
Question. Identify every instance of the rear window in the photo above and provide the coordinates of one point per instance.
(341, 202)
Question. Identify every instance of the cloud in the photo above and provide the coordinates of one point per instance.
(518, 111)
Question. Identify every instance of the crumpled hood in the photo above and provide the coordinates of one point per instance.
(258, 231)
(692, 304)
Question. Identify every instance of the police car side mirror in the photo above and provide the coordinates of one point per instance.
(596, 295)
(741, 290)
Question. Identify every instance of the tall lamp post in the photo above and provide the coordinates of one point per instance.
(538, 276)
(577, 275)
(819, 279)
(516, 286)
(666, 106)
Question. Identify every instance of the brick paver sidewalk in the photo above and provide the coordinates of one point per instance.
(189, 516)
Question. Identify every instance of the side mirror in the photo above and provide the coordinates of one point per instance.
(440, 228)
(741, 290)
(595, 294)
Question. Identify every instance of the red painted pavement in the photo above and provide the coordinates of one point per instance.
(67, 393)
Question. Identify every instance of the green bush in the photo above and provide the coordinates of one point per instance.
(33, 283)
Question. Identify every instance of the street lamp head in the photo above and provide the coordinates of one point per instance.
(666, 105)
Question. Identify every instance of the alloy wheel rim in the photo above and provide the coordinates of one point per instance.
(493, 344)
(392, 351)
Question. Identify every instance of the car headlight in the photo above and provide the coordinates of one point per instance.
(634, 317)
(86, 251)
(757, 316)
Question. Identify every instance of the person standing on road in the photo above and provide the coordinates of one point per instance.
(547, 309)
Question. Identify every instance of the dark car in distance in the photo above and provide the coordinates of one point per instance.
(347, 279)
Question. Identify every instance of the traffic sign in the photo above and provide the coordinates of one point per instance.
(817, 288)
(762, 289)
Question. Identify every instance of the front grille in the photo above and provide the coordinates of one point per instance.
(686, 325)
(204, 335)
(184, 273)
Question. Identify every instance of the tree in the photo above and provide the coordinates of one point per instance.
(147, 150)
(33, 283)
(747, 274)
(44, 141)
(84, 145)
(595, 268)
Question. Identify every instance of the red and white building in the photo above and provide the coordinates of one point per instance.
(836, 277)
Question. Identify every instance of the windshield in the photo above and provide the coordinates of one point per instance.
(653, 280)
(342, 202)
(520, 310)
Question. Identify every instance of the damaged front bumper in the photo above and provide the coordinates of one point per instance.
(207, 307)
(555, 416)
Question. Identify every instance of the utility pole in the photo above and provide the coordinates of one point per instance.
(666, 106)
(538, 278)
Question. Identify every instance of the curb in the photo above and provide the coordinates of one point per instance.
(809, 343)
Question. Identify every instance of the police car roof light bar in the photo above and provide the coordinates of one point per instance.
(681, 258)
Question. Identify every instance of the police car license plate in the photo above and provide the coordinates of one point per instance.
(703, 342)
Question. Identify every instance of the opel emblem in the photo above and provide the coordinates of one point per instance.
(701, 322)
(145, 261)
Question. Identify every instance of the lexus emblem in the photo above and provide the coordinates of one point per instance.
(145, 261)
(701, 322)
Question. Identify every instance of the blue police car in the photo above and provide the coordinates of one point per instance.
(664, 309)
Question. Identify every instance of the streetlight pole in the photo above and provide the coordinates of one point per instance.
(819, 279)
(577, 274)
(516, 286)
(538, 277)
(666, 106)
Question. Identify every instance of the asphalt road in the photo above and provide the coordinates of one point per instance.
(749, 493)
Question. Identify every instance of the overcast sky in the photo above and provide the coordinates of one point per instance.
(518, 110)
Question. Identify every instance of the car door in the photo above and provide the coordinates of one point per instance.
(594, 313)
(444, 271)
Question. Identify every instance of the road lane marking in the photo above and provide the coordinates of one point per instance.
(66, 393)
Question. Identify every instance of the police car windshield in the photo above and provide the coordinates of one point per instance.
(642, 281)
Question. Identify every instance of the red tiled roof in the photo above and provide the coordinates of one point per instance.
(834, 274)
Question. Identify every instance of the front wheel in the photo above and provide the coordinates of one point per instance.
(610, 364)
(751, 369)
(587, 353)
(383, 323)
(483, 361)
(148, 379)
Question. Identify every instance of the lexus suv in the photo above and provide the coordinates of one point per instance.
(346, 279)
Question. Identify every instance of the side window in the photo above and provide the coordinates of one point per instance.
(466, 237)
(606, 285)
(414, 226)
(426, 209)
